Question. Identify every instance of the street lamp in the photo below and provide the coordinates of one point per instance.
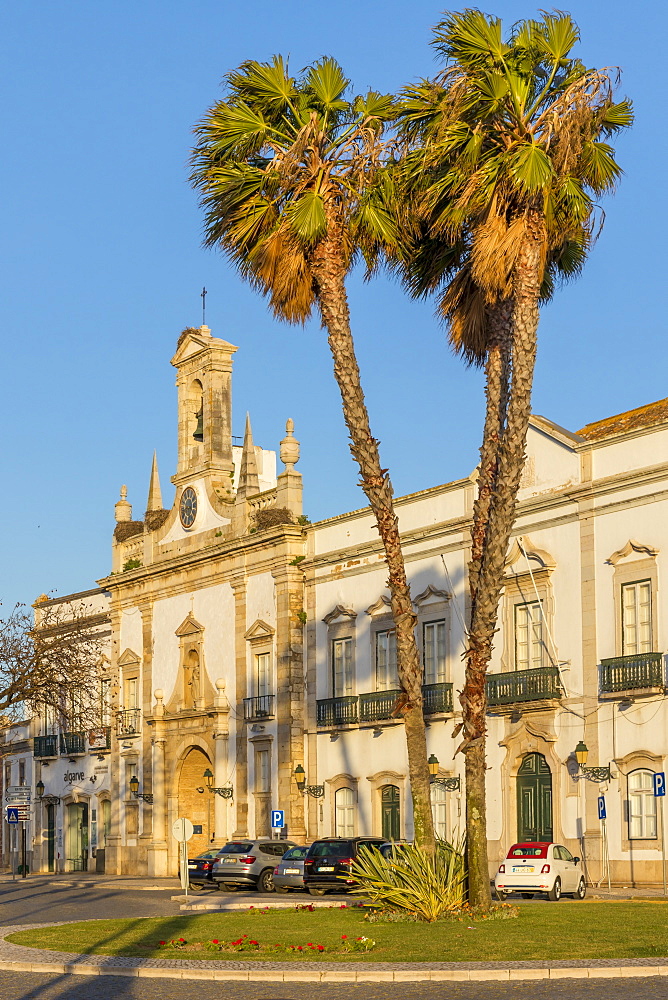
(39, 788)
(134, 789)
(599, 774)
(225, 792)
(316, 791)
(450, 784)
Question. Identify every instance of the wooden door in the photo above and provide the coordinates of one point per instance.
(390, 812)
(534, 799)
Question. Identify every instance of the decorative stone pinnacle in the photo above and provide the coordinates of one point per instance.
(123, 509)
(289, 447)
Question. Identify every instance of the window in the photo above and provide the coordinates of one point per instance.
(345, 812)
(262, 771)
(105, 701)
(8, 775)
(528, 636)
(262, 674)
(439, 810)
(642, 805)
(342, 667)
(22, 772)
(386, 661)
(433, 640)
(637, 617)
(131, 692)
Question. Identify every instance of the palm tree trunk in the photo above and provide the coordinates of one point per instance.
(473, 698)
(501, 517)
(329, 275)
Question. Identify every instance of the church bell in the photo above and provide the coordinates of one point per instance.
(198, 433)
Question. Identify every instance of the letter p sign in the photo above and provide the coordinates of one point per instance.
(659, 784)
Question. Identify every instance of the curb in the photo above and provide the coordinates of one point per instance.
(343, 976)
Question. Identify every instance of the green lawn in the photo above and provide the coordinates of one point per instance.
(542, 931)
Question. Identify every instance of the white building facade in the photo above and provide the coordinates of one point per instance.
(246, 642)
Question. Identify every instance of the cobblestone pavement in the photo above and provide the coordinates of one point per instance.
(27, 986)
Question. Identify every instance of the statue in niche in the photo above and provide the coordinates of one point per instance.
(191, 679)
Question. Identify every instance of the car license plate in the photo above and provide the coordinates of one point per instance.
(520, 869)
(326, 868)
(291, 871)
(192, 868)
(229, 861)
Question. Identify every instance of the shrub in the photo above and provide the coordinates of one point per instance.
(411, 882)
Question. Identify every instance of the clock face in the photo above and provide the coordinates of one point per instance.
(188, 507)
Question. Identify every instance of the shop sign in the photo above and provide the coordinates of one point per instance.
(72, 776)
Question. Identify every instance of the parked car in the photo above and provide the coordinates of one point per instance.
(249, 863)
(289, 873)
(540, 868)
(200, 869)
(327, 860)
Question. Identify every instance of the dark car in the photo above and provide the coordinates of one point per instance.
(200, 869)
(249, 863)
(328, 863)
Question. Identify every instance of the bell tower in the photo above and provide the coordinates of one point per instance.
(204, 386)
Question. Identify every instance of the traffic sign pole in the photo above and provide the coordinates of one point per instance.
(659, 781)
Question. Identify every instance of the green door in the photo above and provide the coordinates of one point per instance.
(391, 825)
(534, 799)
(51, 837)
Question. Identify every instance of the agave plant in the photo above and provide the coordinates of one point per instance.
(413, 881)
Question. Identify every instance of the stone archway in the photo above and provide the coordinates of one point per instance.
(194, 798)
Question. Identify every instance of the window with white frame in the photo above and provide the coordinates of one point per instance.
(642, 805)
(386, 660)
(344, 812)
(434, 652)
(439, 810)
(131, 692)
(22, 772)
(342, 666)
(105, 701)
(637, 617)
(528, 636)
(262, 678)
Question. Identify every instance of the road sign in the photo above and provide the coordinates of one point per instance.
(12, 815)
(277, 819)
(182, 829)
(659, 784)
(601, 807)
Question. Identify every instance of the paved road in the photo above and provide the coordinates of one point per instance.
(48, 900)
(25, 986)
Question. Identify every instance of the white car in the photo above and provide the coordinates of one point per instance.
(540, 867)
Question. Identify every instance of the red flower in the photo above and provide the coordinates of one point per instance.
(182, 940)
(321, 947)
(299, 948)
(162, 942)
(343, 937)
(252, 942)
(215, 941)
(359, 939)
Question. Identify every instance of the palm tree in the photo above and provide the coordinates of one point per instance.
(507, 153)
(290, 176)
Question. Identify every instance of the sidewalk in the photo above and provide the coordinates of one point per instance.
(17, 958)
(83, 879)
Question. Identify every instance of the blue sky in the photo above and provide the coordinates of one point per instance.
(102, 267)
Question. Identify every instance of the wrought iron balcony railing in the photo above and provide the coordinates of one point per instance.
(436, 698)
(259, 707)
(539, 684)
(636, 672)
(340, 711)
(72, 743)
(378, 705)
(45, 746)
(128, 723)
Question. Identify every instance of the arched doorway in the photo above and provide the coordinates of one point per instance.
(195, 799)
(390, 811)
(534, 799)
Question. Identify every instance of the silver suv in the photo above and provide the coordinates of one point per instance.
(249, 863)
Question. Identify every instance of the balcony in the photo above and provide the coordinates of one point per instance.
(637, 674)
(337, 711)
(128, 723)
(259, 707)
(45, 746)
(378, 705)
(436, 698)
(516, 687)
(72, 744)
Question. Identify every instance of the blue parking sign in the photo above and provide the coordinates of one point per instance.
(601, 807)
(277, 819)
(659, 784)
